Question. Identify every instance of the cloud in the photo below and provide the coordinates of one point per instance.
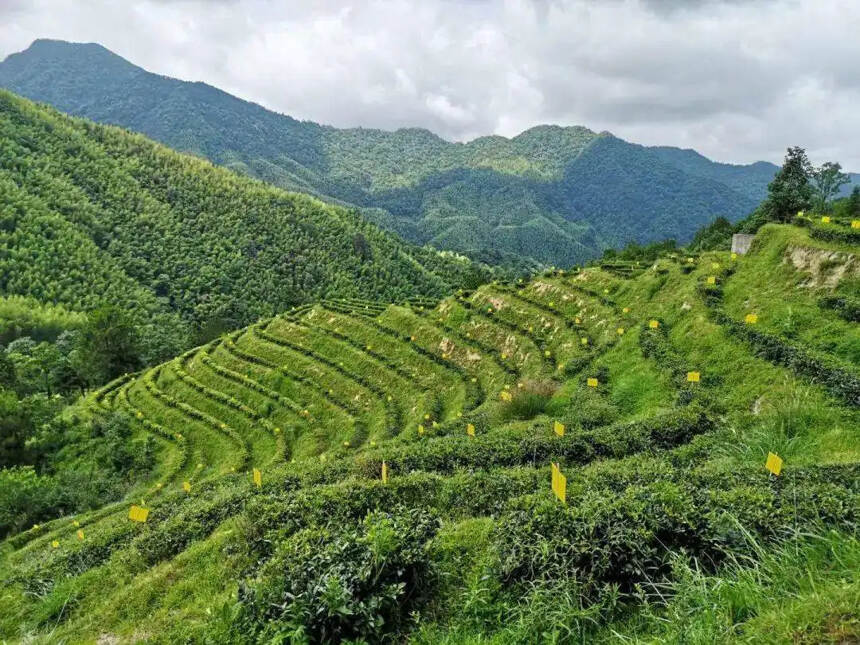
(738, 80)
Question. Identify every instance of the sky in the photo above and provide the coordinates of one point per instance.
(737, 80)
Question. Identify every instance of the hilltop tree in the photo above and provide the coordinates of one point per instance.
(828, 179)
(853, 205)
(790, 191)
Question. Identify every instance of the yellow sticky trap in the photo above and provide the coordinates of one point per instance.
(80, 534)
(825, 220)
(751, 319)
(584, 341)
(690, 260)
(505, 395)
(504, 356)
(734, 256)
(693, 377)
(186, 486)
(258, 478)
(558, 428)
(138, 514)
(855, 223)
(420, 430)
(547, 354)
(620, 331)
(55, 544)
(712, 279)
(592, 382)
(551, 303)
(773, 463)
(559, 484)
(426, 417)
(470, 429)
(653, 324)
(384, 473)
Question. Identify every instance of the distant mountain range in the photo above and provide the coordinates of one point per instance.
(555, 195)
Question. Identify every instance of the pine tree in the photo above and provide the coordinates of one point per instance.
(790, 191)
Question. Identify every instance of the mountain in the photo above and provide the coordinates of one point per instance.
(94, 215)
(527, 458)
(557, 195)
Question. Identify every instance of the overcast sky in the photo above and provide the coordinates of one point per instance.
(738, 80)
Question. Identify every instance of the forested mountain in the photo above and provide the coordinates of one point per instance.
(556, 195)
(92, 215)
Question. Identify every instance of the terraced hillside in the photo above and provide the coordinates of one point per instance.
(404, 455)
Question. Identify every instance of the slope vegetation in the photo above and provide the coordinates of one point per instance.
(95, 215)
(404, 456)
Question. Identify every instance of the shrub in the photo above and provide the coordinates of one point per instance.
(529, 401)
(836, 234)
(846, 306)
(333, 584)
(624, 529)
(26, 499)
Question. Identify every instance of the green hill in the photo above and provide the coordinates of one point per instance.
(94, 215)
(557, 195)
(672, 530)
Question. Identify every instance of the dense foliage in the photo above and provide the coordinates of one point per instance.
(551, 194)
(95, 216)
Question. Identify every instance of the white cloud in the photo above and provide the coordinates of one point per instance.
(738, 80)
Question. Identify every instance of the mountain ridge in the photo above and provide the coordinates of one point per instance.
(552, 194)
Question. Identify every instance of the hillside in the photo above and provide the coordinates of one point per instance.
(552, 194)
(670, 398)
(93, 215)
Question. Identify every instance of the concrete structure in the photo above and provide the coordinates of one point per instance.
(741, 243)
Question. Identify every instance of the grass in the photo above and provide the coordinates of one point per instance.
(347, 383)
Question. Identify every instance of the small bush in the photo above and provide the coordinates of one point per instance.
(529, 401)
(334, 584)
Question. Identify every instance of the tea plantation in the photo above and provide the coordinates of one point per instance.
(404, 454)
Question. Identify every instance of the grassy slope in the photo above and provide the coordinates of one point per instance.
(318, 396)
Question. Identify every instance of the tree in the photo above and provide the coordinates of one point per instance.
(108, 346)
(790, 190)
(854, 202)
(828, 179)
(362, 247)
